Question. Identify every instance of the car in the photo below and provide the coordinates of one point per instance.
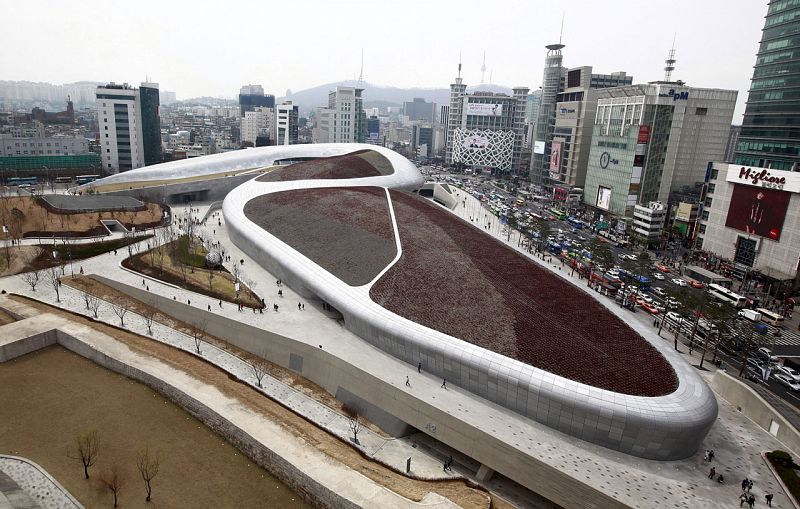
(649, 308)
(659, 276)
(696, 284)
(647, 299)
(672, 316)
(659, 291)
(788, 381)
(679, 282)
(765, 354)
(790, 372)
(755, 364)
(662, 268)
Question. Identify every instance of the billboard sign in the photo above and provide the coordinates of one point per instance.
(485, 110)
(538, 147)
(764, 177)
(757, 211)
(475, 142)
(603, 198)
(644, 134)
(555, 157)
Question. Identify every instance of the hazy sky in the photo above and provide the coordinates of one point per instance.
(212, 48)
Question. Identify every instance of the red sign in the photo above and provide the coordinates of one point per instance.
(644, 134)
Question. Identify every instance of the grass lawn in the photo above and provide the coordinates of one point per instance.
(52, 395)
(184, 265)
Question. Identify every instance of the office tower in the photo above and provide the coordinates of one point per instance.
(419, 109)
(129, 127)
(545, 123)
(286, 128)
(344, 120)
(252, 96)
(770, 136)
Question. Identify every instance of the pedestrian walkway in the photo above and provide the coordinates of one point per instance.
(26, 485)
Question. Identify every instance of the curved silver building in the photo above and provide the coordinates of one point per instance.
(433, 290)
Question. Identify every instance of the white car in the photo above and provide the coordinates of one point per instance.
(679, 282)
(790, 372)
(659, 291)
(787, 381)
(674, 317)
(658, 276)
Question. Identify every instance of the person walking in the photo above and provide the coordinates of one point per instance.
(711, 455)
(742, 499)
(444, 384)
(408, 383)
(419, 368)
(768, 497)
(751, 500)
(712, 472)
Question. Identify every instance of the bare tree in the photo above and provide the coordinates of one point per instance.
(210, 274)
(120, 308)
(355, 424)
(113, 480)
(87, 446)
(198, 333)
(148, 468)
(53, 276)
(32, 278)
(149, 316)
(259, 366)
(92, 302)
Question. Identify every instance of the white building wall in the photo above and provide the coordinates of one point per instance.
(106, 99)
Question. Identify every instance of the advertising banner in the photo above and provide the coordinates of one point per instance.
(644, 134)
(764, 177)
(603, 197)
(758, 211)
(485, 110)
(538, 147)
(555, 157)
(475, 142)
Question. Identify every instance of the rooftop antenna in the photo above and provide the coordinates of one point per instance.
(561, 33)
(459, 64)
(361, 73)
(670, 61)
(483, 69)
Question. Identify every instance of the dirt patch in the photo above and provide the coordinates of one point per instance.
(458, 280)
(27, 217)
(15, 259)
(456, 490)
(197, 467)
(346, 231)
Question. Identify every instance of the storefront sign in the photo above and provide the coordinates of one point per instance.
(764, 177)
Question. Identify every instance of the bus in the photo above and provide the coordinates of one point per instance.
(706, 276)
(575, 223)
(63, 180)
(720, 293)
(85, 179)
(769, 317)
(21, 181)
(560, 214)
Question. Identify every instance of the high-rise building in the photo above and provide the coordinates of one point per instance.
(770, 136)
(258, 123)
(733, 140)
(546, 120)
(485, 130)
(344, 120)
(652, 139)
(286, 128)
(421, 140)
(151, 123)
(419, 109)
(576, 106)
(252, 96)
(128, 126)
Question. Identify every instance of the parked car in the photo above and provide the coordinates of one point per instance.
(790, 372)
(672, 316)
(679, 282)
(659, 276)
(788, 381)
(755, 364)
(662, 268)
(696, 284)
(659, 291)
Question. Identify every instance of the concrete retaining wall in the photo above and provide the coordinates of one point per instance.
(335, 374)
(444, 195)
(755, 408)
